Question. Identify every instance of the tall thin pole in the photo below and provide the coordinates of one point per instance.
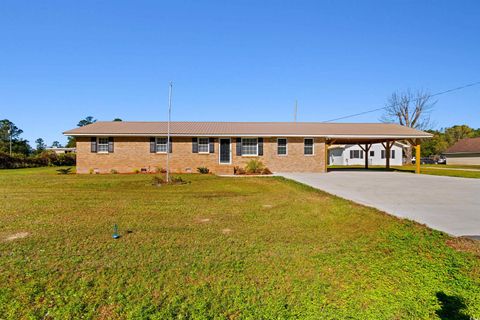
(168, 128)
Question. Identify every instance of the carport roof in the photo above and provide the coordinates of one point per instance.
(338, 131)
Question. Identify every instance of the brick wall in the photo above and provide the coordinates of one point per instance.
(133, 153)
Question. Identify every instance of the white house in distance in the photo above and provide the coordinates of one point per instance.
(352, 154)
(59, 150)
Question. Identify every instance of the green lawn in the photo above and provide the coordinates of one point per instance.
(437, 170)
(442, 170)
(226, 248)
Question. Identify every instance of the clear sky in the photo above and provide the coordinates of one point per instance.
(231, 60)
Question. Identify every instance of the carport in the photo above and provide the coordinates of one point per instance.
(387, 139)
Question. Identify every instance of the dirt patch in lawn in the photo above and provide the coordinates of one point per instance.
(465, 245)
(18, 235)
(226, 231)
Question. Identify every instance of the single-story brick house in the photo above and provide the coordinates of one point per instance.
(220, 146)
(464, 151)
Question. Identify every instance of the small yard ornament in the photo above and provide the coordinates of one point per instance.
(115, 232)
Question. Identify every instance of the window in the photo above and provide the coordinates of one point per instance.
(161, 145)
(103, 145)
(282, 147)
(203, 145)
(308, 146)
(356, 154)
(393, 154)
(249, 146)
(372, 153)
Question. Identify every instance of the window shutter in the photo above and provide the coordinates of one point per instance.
(211, 145)
(393, 154)
(361, 154)
(170, 145)
(152, 145)
(351, 154)
(110, 145)
(239, 146)
(93, 144)
(260, 146)
(195, 145)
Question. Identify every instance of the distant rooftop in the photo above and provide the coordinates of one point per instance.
(468, 145)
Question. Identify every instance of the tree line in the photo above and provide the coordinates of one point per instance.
(16, 152)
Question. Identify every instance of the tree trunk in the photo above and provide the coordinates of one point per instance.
(408, 155)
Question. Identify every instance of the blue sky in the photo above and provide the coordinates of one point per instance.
(231, 60)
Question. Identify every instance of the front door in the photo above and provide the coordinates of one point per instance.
(225, 152)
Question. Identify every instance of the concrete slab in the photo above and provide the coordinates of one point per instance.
(447, 204)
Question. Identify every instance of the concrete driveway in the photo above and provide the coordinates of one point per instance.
(448, 204)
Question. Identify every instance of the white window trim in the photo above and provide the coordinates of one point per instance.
(156, 145)
(286, 147)
(313, 147)
(256, 152)
(208, 145)
(98, 145)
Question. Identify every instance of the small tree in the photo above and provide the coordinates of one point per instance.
(88, 120)
(40, 145)
(56, 144)
(410, 109)
(10, 132)
(117, 119)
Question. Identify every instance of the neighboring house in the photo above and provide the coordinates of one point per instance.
(465, 151)
(352, 154)
(220, 146)
(59, 150)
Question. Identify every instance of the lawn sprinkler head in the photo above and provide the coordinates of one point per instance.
(115, 232)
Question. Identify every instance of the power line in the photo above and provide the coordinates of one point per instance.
(393, 105)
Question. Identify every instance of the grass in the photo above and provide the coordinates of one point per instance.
(431, 169)
(225, 248)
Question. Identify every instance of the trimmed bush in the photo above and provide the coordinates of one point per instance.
(203, 170)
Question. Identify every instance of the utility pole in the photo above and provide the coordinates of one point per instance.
(295, 112)
(168, 129)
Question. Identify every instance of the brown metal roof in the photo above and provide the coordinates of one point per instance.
(314, 129)
(465, 146)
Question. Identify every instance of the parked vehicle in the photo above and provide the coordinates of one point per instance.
(424, 161)
(442, 160)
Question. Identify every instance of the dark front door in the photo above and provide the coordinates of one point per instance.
(224, 150)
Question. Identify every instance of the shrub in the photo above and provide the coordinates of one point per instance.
(178, 180)
(160, 170)
(266, 171)
(203, 170)
(136, 171)
(238, 170)
(157, 181)
(113, 171)
(64, 170)
(91, 171)
(254, 166)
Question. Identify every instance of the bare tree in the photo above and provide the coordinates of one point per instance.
(410, 109)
